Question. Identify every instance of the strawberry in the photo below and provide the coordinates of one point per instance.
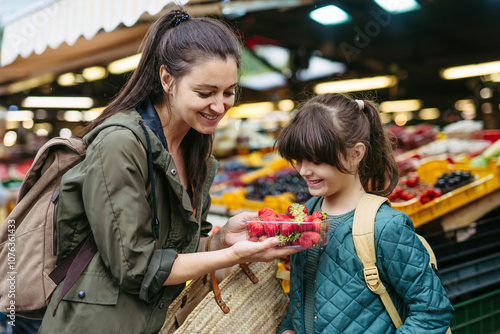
(319, 215)
(287, 229)
(255, 229)
(316, 226)
(263, 237)
(309, 239)
(265, 212)
(254, 239)
(295, 209)
(271, 228)
(308, 218)
(283, 217)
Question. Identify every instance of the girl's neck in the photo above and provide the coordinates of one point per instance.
(342, 202)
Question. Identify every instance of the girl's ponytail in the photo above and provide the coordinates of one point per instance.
(378, 170)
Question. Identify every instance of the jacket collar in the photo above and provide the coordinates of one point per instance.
(150, 116)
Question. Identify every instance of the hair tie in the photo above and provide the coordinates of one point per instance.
(361, 104)
(180, 16)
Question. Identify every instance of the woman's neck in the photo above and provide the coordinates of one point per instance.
(174, 128)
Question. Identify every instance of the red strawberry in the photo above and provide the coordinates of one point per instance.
(263, 237)
(287, 229)
(254, 239)
(271, 228)
(283, 217)
(319, 215)
(316, 227)
(308, 239)
(296, 209)
(308, 218)
(255, 229)
(264, 212)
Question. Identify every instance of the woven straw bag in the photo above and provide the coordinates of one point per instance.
(255, 307)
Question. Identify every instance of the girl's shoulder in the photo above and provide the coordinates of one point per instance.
(390, 218)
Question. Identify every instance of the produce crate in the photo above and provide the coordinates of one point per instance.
(478, 315)
(235, 200)
(469, 277)
(487, 182)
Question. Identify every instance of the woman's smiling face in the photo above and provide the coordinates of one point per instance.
(202, 97)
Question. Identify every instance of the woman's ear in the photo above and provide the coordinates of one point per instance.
(166, 79)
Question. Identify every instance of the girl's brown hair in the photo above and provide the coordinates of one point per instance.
(327, 126)
(177, 42)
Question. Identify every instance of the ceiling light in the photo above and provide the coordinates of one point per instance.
(66, 79)
(91, 114)
(72, 102)
(400, 106)
(18, 116)
(467, 71)
(286, 105)
(94, 73)
(428, 114)
(22, 85)
(124, 65)
(329, 15)
(399, 6)
(356, 85)
(73, 116)
(251, 110)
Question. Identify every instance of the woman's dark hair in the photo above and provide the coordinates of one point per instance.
(327, 126)
(178, 42)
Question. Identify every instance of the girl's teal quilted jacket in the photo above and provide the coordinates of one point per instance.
(343, 302)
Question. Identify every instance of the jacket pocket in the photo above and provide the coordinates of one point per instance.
(93, 288)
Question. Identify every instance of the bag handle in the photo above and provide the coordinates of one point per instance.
(215, 286)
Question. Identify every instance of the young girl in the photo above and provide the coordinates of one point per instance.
(339, 147)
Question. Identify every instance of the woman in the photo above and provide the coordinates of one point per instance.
(184, 84)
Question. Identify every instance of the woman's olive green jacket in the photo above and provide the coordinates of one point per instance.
(121, 290)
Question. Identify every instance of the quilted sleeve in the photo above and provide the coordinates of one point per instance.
(405, 261)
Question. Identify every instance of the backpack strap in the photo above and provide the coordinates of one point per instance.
(364, 242)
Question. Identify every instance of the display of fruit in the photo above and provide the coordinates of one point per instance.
(296, 228)
(410, 186)
(286, 180)
(455, 179)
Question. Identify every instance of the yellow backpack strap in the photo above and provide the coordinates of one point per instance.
(364, 242)
(432, 257)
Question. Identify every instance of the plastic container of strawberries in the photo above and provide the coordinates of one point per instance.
(291, 234)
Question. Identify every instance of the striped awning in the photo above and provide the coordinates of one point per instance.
(64, 21)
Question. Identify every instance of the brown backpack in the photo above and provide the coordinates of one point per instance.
(28, 273)
(27, 235)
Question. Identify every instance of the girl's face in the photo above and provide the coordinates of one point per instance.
(201, 98)
(325, 180)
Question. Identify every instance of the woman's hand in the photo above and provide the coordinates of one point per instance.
(264, 251)
(234, 230)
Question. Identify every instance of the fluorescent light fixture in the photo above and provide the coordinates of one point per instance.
(286, 105)
(398, 6)
(22, 85)
(73, 116)
(400, 106)
(94, 73)
(263, 81)
(468, 71)
(124, 65)
(72, 102)
(428, 113)
(10, 138)
(18, 116)
(329, 15)
(319, 68)
(67, 79)
(251, 110)
(356, 85)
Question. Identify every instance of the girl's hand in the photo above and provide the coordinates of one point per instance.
(288, 331)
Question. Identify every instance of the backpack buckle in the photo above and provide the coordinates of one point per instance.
(371, 277)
